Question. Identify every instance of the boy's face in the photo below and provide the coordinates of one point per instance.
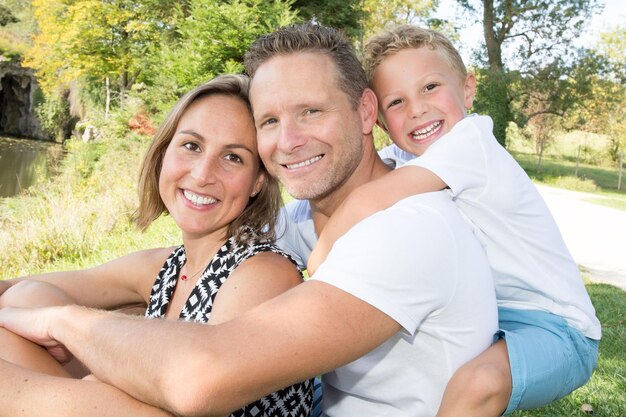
(420, 97)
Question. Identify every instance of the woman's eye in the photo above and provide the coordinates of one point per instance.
(192, 146)
(234, 158)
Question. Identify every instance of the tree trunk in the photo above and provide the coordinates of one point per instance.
(107, 106)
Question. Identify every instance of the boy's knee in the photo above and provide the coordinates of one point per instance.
(484, 382)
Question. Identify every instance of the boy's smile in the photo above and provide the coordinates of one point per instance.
(420, 97)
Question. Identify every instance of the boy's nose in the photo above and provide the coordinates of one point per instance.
(417, 108)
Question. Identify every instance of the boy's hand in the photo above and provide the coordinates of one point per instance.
(369, 199)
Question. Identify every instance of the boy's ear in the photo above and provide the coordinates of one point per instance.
(469, 90)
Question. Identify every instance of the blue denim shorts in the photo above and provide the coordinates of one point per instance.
(549, 359)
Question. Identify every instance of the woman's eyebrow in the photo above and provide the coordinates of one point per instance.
(190, 132)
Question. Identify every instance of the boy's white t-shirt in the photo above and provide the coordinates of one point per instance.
(531, 264)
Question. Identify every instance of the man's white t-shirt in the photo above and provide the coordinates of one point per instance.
(419, 263)
(531, 264)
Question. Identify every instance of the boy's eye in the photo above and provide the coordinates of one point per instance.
(233, 158)
(430, 87)
(394, 103)
(192, 146)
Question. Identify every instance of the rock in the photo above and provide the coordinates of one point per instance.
(18, 87)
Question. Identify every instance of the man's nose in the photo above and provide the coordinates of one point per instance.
(291, 136)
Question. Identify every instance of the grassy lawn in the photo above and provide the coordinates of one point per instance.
(605, 393)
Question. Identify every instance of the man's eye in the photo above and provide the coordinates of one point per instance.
(311, 111)
(269, 121)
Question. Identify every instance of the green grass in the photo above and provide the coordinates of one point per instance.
(606, 390)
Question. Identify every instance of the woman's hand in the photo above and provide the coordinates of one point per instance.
(35, 324)
(4, 285)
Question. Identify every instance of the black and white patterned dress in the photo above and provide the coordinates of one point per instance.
(293, 401)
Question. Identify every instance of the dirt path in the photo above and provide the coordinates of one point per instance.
(594, 234)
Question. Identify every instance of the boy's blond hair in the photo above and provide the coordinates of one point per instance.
(391, 41)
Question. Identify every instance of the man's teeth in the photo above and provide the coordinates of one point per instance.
(199, 200)
(304, 163)
(425, 132)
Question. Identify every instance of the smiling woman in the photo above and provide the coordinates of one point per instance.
(204, 170)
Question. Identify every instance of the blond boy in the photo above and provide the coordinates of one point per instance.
(548, 338)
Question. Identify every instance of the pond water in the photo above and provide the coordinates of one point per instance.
(24, 162)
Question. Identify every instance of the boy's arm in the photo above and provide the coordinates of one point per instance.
(370, 198)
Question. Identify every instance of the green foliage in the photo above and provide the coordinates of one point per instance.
(54, 114)
(198, 54)
(384, 13)
(342, 14)
(531, 33)
(492, 99)
(6, 16)
(94, 39)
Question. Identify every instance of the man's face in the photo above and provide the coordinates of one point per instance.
(308, 133)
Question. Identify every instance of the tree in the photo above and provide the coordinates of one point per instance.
(523, 34)
(341, 14)
(384, 13)
(603, 109)
(95, 40)
(198, 54)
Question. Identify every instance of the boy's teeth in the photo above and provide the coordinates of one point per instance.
(304, 163)
(423, 133)
(199, 200)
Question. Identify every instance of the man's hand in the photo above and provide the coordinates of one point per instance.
(35, 324)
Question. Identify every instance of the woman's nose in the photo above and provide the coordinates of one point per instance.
(204, 170)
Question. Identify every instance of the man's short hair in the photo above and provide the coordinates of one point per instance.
(391, 41)
(314, 38)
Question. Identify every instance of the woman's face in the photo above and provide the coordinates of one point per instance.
(211, 166)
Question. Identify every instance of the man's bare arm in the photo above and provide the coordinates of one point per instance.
(306, 331)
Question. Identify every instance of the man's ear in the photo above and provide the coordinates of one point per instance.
(368, 106)
(469, 91)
